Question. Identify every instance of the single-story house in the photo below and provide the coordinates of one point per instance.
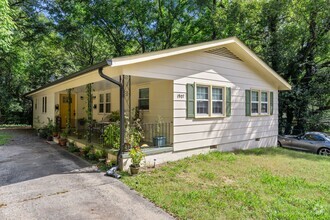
(215, 95)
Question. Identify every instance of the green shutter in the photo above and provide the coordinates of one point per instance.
(271, 103)
(228, 102)
(247, 102)
(190, 100)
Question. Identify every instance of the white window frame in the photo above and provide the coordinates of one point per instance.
(260, 102)
(210, 101)
(222, 100)
(139, 98)
(203, 100)
(44, 104)
(104, 103)
(257, 102)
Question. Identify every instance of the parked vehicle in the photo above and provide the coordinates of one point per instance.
(315, 142)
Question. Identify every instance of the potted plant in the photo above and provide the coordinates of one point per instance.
(159, 140)
(63, 138)
(55, 130)
(49, 129)
(136, 155)
(50, 135)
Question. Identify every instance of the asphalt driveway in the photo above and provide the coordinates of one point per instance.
(43, 181)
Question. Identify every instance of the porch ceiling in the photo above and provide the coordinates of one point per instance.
(104, 85)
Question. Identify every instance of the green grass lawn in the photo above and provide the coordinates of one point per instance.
(4, 138)
(272, 183)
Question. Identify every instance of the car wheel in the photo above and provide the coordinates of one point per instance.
(324, 151)
(279, 144)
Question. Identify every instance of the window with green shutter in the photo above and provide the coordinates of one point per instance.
(208, 101)
(258, 102)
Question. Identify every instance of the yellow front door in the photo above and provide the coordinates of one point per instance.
(64, 109)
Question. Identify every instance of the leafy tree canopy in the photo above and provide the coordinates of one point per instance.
(43, 40)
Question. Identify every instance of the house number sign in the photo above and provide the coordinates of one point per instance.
(180, 96)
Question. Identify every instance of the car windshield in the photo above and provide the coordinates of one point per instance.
(327, 137)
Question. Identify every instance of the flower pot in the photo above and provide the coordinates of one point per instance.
(134, 170)
(159, 141)
(62, 141)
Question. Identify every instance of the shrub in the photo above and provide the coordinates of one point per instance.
(43, 132)
(112, 135)
(85, 150)
(73, 148)
(100, 153)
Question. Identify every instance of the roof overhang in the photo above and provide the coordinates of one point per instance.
(233, 43)
(236, 46)
(69, 77)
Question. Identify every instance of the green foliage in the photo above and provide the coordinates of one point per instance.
(136, 155)
(114, 116)
(7, 26)
(89, 112)
(41, 42)
(64, 134)
(43, 132)
(50, 126)
(111, 135)
(73, 148)
(133, 131)
(68, 118)
(4, 138)
(85, 150)
(159, 122)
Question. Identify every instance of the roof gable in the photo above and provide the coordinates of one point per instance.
(231, 48)
(234, 49)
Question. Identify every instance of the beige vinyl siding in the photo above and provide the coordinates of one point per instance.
(237, 131)
(226, 133)
(40, 118)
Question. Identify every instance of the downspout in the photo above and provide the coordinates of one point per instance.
(122, 118)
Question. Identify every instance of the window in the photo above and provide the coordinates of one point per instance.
(255, 102)
(217, 101)
(209, 98)
(207, 101)
(44, 104)
(264, 102)
(258, 102)
(202, 100)
(313, 137)
(144, 99)
(105, 103)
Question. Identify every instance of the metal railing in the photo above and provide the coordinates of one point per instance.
(150, 131)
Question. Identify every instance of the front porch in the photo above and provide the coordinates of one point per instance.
(91, 113)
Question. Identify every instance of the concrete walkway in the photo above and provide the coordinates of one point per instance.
(41, 181)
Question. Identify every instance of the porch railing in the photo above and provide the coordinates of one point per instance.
(97, 129)
(166, 130)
